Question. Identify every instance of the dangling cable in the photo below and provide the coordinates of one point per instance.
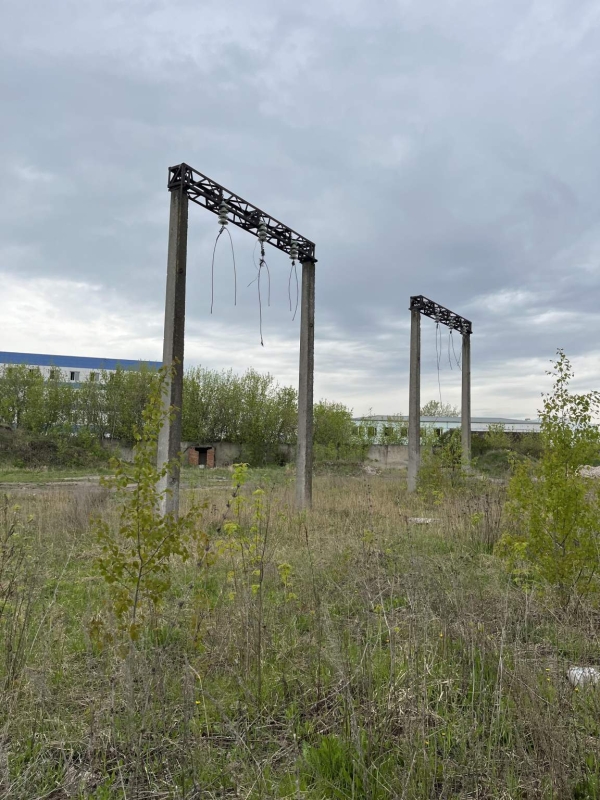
(259, 265)
(223, 220)
(438, 350)
(293, 268)
(262, 237)
(458, 360)
(449, 337)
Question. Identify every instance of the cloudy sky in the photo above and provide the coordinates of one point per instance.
(447, 148)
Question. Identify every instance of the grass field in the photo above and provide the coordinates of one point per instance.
(349, 653)
(11, 475)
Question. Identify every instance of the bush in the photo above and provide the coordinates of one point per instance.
(25, 450)
(136, 559)
(554, 509)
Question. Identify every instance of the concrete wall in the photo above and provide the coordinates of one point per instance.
(393, 456)
(225, 453)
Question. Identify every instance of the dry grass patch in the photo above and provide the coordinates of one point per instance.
(346, 653)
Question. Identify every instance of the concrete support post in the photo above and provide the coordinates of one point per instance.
(465, 409)
(414, 401)
(304, 450)
(169, 440)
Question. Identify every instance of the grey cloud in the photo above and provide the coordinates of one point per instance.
(447, 151)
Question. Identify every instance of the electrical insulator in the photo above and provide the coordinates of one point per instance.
(294, 251)
(262, 232)
(223, 211)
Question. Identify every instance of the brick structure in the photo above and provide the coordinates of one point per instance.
(201, 457)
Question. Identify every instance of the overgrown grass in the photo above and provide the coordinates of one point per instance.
(370, 657)
(12, 474)
(195, 477)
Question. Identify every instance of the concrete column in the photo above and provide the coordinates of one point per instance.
(304, 449)
(465, 408)
(414, 401)
(169, 440)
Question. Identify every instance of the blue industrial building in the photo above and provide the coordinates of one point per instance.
(74, 369)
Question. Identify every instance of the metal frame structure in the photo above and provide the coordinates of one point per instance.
(211, 195)
(429, 308)
(185, 184)
(440, 314)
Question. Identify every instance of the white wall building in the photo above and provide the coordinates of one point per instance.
(73, 369)
(376, 425)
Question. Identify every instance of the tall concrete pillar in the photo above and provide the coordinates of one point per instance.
(304, 450)
(414, 401)
(465, 408)
(169, 440)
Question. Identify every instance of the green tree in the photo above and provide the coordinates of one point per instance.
(260, 418)
(22, 396)
(60, 413)
(90, 406)
(554, 508)
(434, 408)
(496, 437)
(250, 409)
(335, 434)
(126, 393)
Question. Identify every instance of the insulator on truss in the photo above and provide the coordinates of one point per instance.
(262, 232)
(223, 212)
(294, 251)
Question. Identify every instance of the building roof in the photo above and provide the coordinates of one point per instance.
(482, 420)
(81, 362)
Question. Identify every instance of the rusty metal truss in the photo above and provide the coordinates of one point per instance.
(207, 193)
(441, 314)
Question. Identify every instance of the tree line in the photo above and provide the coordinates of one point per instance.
(251, 410)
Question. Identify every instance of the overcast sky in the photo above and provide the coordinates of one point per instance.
(450, 149)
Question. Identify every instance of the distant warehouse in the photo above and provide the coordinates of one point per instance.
(73, 369)
(383, 426)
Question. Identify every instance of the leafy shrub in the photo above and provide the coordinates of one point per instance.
(528, 444)
(23, 449)
(18, 582)
(441, 464)
(136, 559)
(555, 510)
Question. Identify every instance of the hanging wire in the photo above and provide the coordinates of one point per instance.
(262, 264)
(458, 360)
(224, 221)
(449, 337)
(293, 268)
(438, 351)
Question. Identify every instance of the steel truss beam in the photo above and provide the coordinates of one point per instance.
(440, 314)
(207, 193)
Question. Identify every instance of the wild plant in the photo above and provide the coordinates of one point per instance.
(555, 510)
(137, 558)
(441, 470)
(17, 582)
(245, 545)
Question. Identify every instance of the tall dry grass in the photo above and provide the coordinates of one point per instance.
(351, 654)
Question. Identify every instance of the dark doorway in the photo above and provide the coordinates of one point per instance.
(202, 455)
